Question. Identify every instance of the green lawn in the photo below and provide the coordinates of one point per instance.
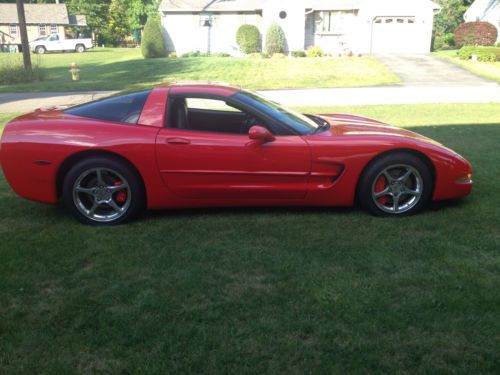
(117, 69)
(253, 291)
(489, 70)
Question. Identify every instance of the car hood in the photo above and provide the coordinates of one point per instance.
(348, 125)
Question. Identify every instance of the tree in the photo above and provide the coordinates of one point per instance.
(96, 12)
(153, 44)
(451, 15)
(118, 26)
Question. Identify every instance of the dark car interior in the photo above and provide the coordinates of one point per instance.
(208, 120)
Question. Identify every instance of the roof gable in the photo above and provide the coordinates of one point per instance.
(35, 14)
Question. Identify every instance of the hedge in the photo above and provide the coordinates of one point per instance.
(475, 34)
(485, 54)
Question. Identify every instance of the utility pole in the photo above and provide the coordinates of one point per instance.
(24, 34)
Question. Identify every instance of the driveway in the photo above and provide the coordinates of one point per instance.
(427, 70)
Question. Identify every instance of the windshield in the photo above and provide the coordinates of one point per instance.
(300, 123)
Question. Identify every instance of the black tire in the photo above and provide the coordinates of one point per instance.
(80, 48)
(40, 50)
(420, 180)
(111, 169)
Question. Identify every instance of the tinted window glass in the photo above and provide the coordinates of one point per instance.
(126, 108)
(299, 123)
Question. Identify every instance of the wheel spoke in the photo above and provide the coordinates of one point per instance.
(395, 203)
(114, 189)
(388, 176)
(414, 193)
(100, 181)
(89, 191)
(115, 206)
(93, 208)
(382, 193)
(404, 177)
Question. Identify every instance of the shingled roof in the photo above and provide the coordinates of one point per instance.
(249, 5)
(35, 14)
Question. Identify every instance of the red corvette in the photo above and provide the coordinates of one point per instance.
(201, 145)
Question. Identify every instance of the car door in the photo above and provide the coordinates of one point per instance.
(198, 164)
(53, 43)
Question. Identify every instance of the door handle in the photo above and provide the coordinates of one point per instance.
(178, 141)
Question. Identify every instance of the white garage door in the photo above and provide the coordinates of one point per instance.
(395, 35)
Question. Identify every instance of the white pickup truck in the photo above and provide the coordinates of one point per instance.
(56, 43)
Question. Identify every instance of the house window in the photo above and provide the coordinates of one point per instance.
(53, 29)
(13, 29)
(42, 30)
(334, 22)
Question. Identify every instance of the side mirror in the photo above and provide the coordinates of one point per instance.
(260, 133)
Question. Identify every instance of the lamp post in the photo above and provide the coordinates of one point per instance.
(208, 24)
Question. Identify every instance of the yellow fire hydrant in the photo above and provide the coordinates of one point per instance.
(75, 72)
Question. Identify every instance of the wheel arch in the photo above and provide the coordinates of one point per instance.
(75, 158)
(424, 158)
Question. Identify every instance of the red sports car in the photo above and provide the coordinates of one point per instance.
(205, 145)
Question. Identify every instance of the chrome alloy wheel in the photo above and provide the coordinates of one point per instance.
(397, 189)
(102, 195)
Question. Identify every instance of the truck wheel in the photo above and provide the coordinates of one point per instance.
(80, 48)
(40, 50)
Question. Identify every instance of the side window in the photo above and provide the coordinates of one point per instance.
(126, 108)
(209, 105)
(213, 115)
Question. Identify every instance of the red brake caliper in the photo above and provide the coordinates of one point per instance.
(380, 185)
(121, 196)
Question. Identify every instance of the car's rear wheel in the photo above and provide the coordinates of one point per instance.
(40, 50)
(103, 191)
(397, 184)
(80, 48)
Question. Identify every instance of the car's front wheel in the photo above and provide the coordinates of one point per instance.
(103, 191)
(396, 184)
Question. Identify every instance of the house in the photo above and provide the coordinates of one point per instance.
(41, 20)
(337, 26)
(485, 10)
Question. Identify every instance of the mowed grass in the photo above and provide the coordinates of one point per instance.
(120, 68)
(489, 70)
(251, 291)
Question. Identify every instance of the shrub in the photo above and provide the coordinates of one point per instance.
(444, 42)
(153, 44)
(485, 54)
(248, 39)
(298, 54)
(12, 71)
(191, 54)
(220, 54)
(275, 40)
(278, 56)
(475, 34)
(172, 55)
(315, 51)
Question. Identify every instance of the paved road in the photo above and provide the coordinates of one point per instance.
(425, 79)
(430, 71)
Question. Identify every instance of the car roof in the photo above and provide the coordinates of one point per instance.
(200, 87)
